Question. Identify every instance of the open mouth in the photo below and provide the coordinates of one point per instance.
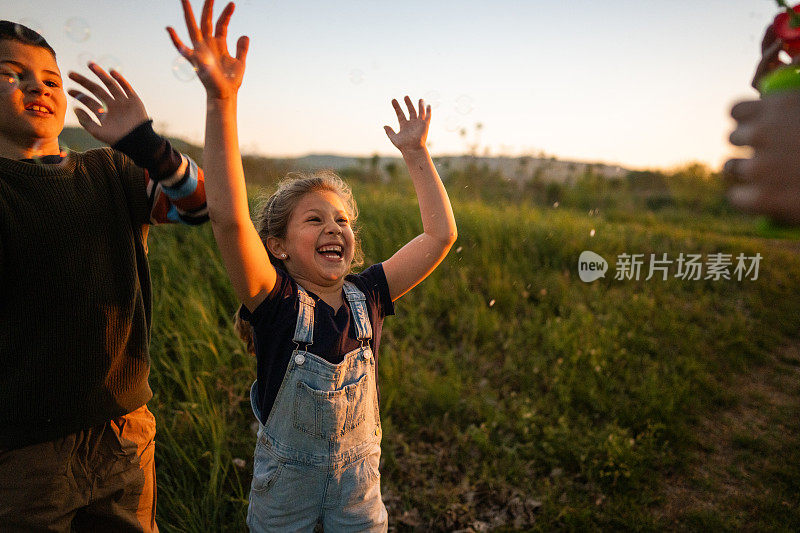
(39, 109)
(331, 251)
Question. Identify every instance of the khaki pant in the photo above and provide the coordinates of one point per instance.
(100, 479)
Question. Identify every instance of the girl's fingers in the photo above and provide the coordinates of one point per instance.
(412, 113)
(241, 47)
(206, 19)
(221, 29)
(182, 48)
(93, 105)
(401, 116)
(191, 25)
(421, 112)
(428, 113)
(92, 87)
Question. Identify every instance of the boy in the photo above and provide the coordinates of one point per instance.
(76, 438)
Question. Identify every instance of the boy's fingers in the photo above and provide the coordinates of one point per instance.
(412, 113)
(92, 87)
(126, 87)
(428, 113)
(206, 18)
(390, 133)
(421, 112)
(242, 46)
(191, 25)
(86, 122)
(107, 80)
(93, 105)
(401, 116)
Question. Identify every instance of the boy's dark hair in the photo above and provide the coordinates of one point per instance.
(13, 31)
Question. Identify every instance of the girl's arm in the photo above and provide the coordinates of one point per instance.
(416, 260)
(244, 255)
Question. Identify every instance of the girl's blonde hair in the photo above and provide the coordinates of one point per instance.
(272, 220)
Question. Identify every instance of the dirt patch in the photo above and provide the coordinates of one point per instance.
(739, 449)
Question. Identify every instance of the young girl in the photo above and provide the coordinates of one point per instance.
(316, 327)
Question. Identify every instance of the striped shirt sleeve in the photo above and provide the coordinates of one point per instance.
(180, 197)
(173, 181)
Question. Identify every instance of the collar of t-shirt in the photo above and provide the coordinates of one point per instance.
(46, 159)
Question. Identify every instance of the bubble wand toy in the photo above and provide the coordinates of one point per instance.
(786, 78)
(787, 28)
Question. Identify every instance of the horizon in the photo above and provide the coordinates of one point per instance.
(512, 79)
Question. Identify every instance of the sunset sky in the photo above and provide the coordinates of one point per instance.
(638, 83)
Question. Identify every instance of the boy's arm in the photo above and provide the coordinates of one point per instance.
(173, 182)
(417, 259)
(245, 257)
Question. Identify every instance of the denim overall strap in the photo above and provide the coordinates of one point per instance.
(304, 330)
(358, 307)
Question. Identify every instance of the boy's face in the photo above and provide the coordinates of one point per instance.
(32, 99)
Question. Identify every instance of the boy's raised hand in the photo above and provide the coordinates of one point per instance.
(117, 107)
(413, 130)
(220, 73)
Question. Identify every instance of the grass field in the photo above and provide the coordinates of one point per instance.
(514, 396)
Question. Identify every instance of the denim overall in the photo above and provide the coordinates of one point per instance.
(318, 452)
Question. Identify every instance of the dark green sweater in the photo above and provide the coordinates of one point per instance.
(74, 295)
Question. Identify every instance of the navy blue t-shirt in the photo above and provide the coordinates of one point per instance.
(274, 321)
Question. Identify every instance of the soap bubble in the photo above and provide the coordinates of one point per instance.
(77, 29)
(433, 98)
(453, 123)
(109, 63)
(183, 69)
(356, 76)
(464, 104)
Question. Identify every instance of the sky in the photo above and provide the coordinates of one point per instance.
(642, 84)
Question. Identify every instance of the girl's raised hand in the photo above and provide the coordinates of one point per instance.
(220, 73)
(413, 130)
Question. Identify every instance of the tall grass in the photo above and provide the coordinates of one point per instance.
(514, 396)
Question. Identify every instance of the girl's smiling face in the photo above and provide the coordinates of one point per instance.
(319, 241)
